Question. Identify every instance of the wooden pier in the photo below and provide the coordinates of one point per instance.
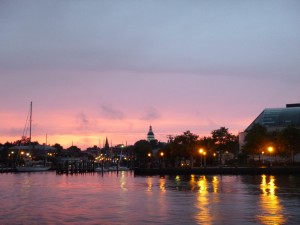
(74, 166)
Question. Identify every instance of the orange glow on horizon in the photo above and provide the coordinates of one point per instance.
(88, 129)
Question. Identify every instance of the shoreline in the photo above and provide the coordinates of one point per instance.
(218, 171)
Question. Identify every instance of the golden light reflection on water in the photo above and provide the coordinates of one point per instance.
(215, 184)
(123, 181)
(204, 215)
(162, 184)
(271, 210)
(150, 183)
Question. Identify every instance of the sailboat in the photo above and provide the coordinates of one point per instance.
(24, 159)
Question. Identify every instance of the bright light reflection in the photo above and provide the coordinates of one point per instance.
(193, 182)
(204, 215)
(162, 184)
(123, 181)
(215, 183)
(150, 184)
(271, 209)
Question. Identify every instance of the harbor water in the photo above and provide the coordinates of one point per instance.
(122, 198)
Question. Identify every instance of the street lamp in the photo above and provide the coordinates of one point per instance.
(201, 151)
(149, 160)
(162, 158)
(204, 153)
(270, 149)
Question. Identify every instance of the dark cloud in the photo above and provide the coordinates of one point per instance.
(83, 121)
(172, 36)
(111, 113)
(13, 132)
(151, 114)
(86, 124)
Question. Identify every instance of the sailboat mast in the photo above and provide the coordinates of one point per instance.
(30, 122)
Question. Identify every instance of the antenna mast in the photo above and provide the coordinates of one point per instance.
(30, 122)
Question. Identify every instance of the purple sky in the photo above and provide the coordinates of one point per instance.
(111, 68)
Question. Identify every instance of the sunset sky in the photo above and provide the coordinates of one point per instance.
(96, 69)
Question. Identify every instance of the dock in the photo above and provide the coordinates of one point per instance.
(74, 166)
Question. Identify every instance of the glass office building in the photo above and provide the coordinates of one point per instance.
(275, 119)
(279, 118)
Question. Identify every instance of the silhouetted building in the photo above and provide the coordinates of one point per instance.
(150, 135)
(276, 119)
(106, 147)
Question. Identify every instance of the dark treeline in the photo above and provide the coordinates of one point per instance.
(285, 143)
(221, 148)
(188, 150)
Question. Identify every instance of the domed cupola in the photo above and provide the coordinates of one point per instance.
(150, 135)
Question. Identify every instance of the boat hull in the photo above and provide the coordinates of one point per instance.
(99, 169)
(32, 168)
(121, 168)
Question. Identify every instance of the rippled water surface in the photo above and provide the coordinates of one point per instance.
(47, 198)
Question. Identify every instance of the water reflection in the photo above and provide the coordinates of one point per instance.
(123, 198)
(271, 210)
(204, 215)
(150, 184)
(162, 184)
(123, 181)
(215, 184)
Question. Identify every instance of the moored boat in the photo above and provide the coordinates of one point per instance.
(120, 168)
(100, 169)
(36, 168)
(24, 160)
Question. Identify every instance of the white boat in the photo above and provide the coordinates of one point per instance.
(120, 168)
(99, 169)
(36, 168)
(28, 164)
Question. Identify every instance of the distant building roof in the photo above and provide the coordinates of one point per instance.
(293, 105)
(30, 147)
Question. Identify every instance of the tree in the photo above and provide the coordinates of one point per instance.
(74, 151)
(4, 151)
(289, 142)
(182, 147)
(208, 144)
(141, 150)
(58, 147)
(256, 140)
(224, 141)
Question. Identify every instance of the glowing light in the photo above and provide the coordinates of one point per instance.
(162, 185)
(270, 149)
(271, 210)
(150, 184)
(204, 215)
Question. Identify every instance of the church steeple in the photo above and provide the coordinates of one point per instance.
(150, 135)
(106, 146)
